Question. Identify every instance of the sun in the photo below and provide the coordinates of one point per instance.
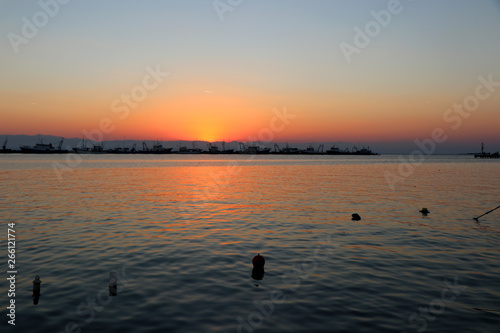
(207, 130)
(209, 134)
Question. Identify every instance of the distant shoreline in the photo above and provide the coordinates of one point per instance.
(12, 143)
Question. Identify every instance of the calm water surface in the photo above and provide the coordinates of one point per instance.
(181, 231)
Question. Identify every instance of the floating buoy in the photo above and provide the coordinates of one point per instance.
(356, 217)
(258, 267)
(258, 261)
(36, 284)
(424, 211)
(36, 289)
(113, 282)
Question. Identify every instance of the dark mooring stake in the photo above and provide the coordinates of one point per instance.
(476, 218)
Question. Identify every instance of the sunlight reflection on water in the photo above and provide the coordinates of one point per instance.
(185, 230)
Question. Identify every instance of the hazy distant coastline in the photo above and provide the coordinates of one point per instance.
(14, 142)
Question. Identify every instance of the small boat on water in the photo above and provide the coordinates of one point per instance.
(311, 151)
(226, 151)
(98, 149)
(42, 148)
(120, 150)
(355, 151)
(185, 150)
(253, 149)
(157, 149)
(334, 150)
(9, 151)
(83, 149)
(4, 149)
(362, 151)
(287, 150)
(213, 149)
(482, 154)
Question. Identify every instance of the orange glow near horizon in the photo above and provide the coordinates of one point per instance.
(205, 115)
(232, 114)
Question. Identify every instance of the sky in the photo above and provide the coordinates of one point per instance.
(369, 72)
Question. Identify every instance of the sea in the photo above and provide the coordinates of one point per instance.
(178, 232)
